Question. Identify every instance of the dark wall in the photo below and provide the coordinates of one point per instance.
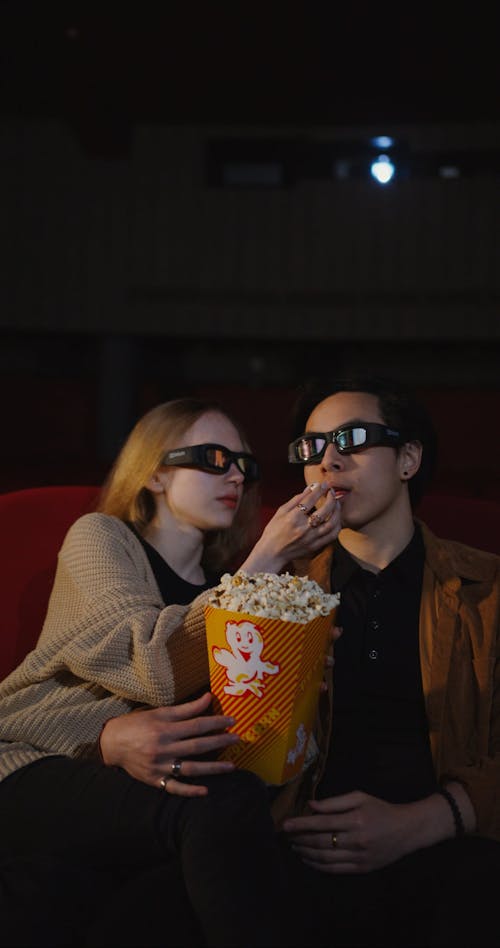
(130, 279)
(145, 243)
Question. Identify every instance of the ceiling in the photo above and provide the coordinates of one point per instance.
(102, 69)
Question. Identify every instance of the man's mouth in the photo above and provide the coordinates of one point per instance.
(341, 492)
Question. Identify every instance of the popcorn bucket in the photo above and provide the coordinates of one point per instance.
(266, 673)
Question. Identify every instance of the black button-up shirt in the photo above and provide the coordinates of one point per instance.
(380, 741)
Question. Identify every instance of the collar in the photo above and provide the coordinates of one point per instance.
(449, 558)
(404, 567)
(446, 558)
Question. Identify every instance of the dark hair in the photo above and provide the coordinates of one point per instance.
(398, 407)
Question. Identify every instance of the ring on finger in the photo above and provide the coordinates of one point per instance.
(175, 767)
(315, 521)
(163, 783)
(303, 508)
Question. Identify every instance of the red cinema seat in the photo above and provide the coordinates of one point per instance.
(33, 524)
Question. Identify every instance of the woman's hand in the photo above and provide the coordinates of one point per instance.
(356, 833)
(299, 528)
(146, 744)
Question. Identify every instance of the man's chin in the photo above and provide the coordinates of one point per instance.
(351, 523)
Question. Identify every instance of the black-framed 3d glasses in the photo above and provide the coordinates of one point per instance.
(311, 446)
(215, 459)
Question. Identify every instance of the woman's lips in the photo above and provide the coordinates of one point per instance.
(231, 502)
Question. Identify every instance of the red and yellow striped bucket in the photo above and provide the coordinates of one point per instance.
(266, 673)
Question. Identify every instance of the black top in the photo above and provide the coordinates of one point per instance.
(380, 741)
(173, 588)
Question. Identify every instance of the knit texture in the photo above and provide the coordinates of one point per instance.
(108, 645)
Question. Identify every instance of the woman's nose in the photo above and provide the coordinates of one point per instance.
(234, 474)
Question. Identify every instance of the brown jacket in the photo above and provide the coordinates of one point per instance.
(460, 663)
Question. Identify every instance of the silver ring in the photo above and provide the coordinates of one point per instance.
(315, 521)
(163, 783)
(175, 767)
(303, 508)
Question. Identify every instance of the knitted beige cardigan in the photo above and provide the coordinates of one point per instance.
(108, 645)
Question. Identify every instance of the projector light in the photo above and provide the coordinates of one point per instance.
(382, 169)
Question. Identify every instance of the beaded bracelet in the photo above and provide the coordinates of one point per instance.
(455, 809)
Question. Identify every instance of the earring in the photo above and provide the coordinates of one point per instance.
(405, 473)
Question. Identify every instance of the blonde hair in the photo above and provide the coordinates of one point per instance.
(125, 495)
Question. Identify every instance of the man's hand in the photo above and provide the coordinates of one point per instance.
(356, 833)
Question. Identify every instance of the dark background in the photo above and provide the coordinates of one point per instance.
(132, 272)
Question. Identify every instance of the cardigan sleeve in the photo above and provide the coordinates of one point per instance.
(107, 625)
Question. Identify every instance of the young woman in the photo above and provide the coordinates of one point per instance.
(109, 777)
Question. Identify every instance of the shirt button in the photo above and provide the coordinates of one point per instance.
(376, 593)
(375, 625)
(373, 654)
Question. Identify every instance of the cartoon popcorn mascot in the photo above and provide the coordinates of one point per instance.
(245, 669)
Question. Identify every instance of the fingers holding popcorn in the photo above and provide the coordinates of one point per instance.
(299, 528)
(322, 509)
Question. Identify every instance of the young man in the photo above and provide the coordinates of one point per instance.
(397, 841)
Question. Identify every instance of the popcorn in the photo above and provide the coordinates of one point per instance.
(274, 596)
(267, 636)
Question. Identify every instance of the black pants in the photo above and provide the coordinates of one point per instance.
(445, 895)
(92, 857)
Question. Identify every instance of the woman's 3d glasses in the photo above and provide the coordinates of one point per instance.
(311, 446)
(214, 458)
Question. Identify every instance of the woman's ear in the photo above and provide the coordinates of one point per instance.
(157, 482)
(409, 459)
